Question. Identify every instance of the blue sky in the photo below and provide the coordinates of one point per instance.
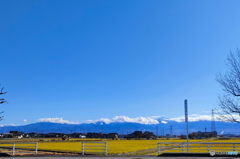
(90, 59)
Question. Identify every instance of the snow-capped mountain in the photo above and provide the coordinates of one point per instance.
(123, 127)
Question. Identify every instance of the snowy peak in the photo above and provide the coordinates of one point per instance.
(125, 119)
(178, 128)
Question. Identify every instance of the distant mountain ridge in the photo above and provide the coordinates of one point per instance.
(178, 128)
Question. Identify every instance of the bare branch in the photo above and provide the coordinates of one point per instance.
(2, 91)
(2, 100)
(230, 83)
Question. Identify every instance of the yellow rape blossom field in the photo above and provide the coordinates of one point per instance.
(117, 147)
(113, 146)
(121, 147)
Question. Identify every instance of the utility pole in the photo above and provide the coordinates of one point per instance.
(171, 130)
(213, 128)
(186, 120)
(163, 132)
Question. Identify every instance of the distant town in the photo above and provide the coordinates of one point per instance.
(115, 136)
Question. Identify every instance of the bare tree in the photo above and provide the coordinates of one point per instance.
(2, 100)
(230, 83)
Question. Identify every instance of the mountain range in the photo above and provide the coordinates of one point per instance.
(178, 128)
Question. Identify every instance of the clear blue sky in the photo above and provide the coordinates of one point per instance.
(91, 59)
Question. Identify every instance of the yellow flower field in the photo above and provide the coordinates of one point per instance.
(113, 146)
(124, 147)
(206, 146)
